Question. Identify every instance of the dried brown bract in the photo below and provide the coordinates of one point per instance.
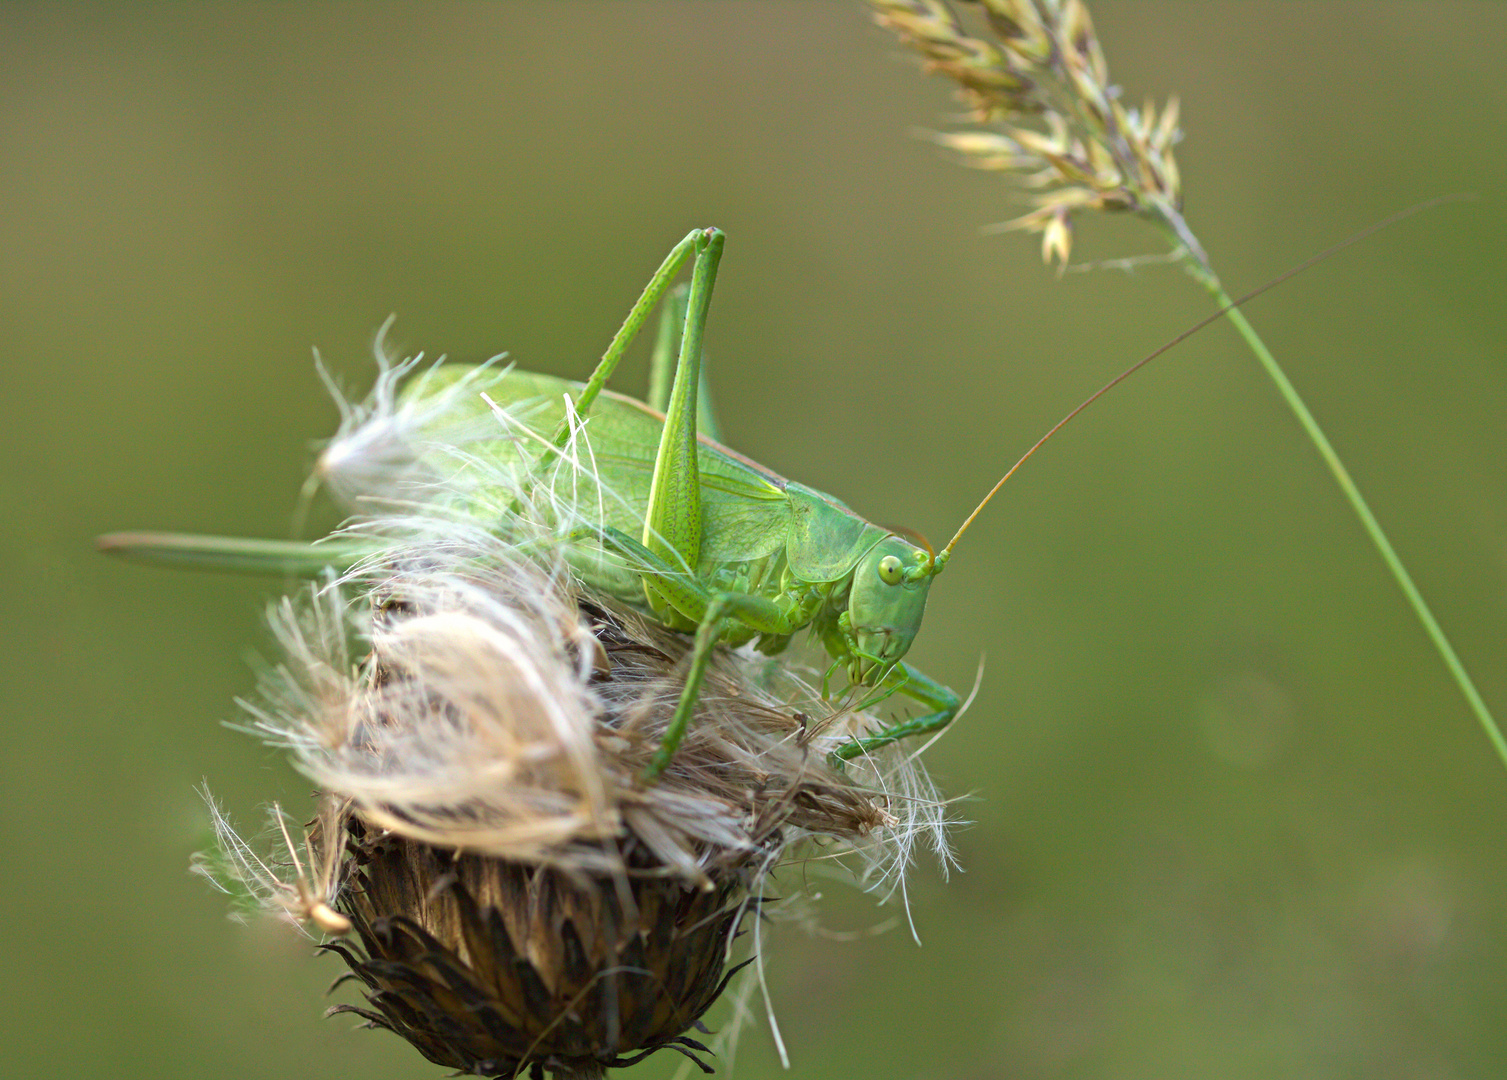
(489, 966)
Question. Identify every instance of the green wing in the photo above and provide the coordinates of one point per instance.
(745, 514)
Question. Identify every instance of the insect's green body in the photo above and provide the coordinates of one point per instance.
(698, 537)
(801, 550)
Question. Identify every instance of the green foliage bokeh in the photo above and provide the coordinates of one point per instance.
(1230, 819)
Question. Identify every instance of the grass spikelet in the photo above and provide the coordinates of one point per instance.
(1056, 122)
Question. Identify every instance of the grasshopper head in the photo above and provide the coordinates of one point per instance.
(885, 604)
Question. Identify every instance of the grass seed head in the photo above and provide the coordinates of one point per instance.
(1035, 78)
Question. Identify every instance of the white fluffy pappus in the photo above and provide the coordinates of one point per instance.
(298, 888)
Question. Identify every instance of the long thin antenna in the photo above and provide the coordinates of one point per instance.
(1370, 230)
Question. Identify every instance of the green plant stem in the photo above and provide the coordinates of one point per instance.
(1206, 277)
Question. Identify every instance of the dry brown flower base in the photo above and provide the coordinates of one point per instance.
(492, 967)
(495, 953)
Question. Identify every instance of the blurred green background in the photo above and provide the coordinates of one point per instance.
(1230, 818)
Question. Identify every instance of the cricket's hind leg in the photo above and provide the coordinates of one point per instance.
(662, 364)
(659, 284)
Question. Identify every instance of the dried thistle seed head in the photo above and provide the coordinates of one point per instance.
(1057, 122)
(372, 451)
(519, 900)
(480, 722)
(489, 966)
(466, 698)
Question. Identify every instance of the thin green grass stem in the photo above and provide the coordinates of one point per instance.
(1357, 503)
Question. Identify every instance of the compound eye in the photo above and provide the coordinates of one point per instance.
(890, 570)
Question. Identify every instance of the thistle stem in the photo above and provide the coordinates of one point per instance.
(1205, 275)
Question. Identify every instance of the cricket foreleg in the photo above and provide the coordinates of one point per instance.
(919, 687)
